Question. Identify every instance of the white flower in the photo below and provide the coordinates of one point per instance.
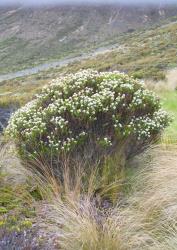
(65, 111)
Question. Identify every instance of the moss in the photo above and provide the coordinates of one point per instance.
(3, 210)
(36, 194)
(2, 223)
(16, 206)
(25, 224)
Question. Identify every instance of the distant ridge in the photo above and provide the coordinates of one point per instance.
(32, 36)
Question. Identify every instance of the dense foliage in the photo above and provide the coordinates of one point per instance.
(88, 115)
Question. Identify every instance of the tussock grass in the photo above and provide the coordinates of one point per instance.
(85, 216)
(144, 219)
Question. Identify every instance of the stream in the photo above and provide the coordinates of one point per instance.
(59, 63)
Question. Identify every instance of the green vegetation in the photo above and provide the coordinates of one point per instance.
(88, 115)
(143, 54)
(170, 104)
(138, 219)
(18, 92)
(16, 210)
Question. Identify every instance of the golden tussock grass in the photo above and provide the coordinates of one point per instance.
(85, 219)
(143, 219)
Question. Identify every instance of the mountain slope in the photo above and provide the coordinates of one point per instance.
(144, 54)
(29, 36)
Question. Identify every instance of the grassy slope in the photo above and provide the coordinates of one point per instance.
(170, 104)
(33, 36)
(144, 54)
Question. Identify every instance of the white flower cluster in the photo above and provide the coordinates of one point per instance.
(146, 126)
(144, 97)
(65, 145)
(67, 110)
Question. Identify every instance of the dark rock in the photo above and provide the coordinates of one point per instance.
(5, 114)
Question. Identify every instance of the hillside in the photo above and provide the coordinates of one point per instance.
(30, 36)
(145, 54)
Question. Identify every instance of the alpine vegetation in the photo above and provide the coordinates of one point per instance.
(87, 116)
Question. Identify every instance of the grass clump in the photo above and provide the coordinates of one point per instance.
(88, 115)
(145, 218)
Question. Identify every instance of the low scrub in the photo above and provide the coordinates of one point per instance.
(88, 115)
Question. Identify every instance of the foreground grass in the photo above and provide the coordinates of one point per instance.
(137, 210)
(15, 207)
(16, 202)
(145, 218)
(169, 101)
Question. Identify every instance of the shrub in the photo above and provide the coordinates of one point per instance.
(88, 115)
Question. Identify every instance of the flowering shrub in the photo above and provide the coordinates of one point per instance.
(88, 115)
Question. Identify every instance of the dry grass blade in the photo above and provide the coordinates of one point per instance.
(147, 221)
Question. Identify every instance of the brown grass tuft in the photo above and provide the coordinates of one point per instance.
(146, 219)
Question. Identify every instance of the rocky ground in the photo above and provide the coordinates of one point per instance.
(42, 236)
(5, 114)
